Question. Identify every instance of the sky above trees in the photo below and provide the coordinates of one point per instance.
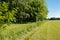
(54, 8)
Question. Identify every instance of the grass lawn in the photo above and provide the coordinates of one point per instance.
(16, 31)
(50, 30)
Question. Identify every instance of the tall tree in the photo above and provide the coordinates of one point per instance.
(31, 10)
(28, 10)
(6, 15)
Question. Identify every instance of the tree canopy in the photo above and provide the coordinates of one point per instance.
(22, 11)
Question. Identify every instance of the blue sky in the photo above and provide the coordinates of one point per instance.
(54, 8)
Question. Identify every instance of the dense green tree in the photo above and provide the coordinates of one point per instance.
(6, 15)
(27, 10)
(31, 10)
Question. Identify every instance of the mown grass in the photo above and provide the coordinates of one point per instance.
(49, 31)
(16, 31)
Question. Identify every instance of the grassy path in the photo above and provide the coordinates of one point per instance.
(49, 31)
(26, 37)
(53, 30)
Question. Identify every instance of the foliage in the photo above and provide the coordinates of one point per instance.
(32, 10)
(20, 11)
(6, 15)
(53, 18)
(28, 11)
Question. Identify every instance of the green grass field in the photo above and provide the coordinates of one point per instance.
(16, 31)
(49, 30)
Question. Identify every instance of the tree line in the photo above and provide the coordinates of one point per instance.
(54, 18)
(22, 11)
